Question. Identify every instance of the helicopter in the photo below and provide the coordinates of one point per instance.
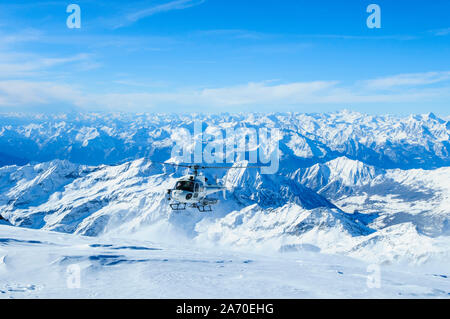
(193, 190)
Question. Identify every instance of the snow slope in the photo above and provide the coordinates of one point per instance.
(41, 264)
(391, 196)
(373, 188)
(273, 212)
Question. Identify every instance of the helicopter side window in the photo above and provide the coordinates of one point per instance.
(185, 186)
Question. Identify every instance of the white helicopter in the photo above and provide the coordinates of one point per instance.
(193, 190)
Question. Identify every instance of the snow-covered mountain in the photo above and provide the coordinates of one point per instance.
(387, 196)
(417, 141)
(70, 198)
(336, 177)
(371, 187)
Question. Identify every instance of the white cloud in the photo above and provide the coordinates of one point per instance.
(173, 5)
(411, 79)
(20, 65)
(149, 11)
(26, 93)
(410, 88)
(262, 93)
(442, 32)
(27, 35)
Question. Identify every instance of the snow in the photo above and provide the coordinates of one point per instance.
(418, 141)
(40, 264)
(263, 213)
(352, 191)
(86, 134)
(299, 146)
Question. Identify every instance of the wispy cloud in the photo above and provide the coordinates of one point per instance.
(233, 33)
(165, 7)
(28, 35)
(28, 93)
(441, 32)
(26, 65)
(410, 79)
(414, 88)
(397, 37)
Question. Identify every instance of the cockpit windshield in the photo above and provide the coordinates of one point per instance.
(185, 186)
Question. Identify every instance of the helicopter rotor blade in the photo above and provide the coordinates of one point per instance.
(231, 167)
(174, 164)
(209, 167)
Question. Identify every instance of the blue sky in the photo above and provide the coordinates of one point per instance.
(225, 56)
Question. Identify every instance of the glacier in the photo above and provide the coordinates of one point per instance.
(352, 190)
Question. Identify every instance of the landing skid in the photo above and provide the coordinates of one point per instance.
(178, 206)
(203, 206)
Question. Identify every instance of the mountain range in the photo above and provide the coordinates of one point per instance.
(374, 188)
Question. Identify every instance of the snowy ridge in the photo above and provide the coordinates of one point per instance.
(417, 141)
(363, 186)
(273, 213)
(337, 176)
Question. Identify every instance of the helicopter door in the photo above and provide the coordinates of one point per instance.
(196, 188)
